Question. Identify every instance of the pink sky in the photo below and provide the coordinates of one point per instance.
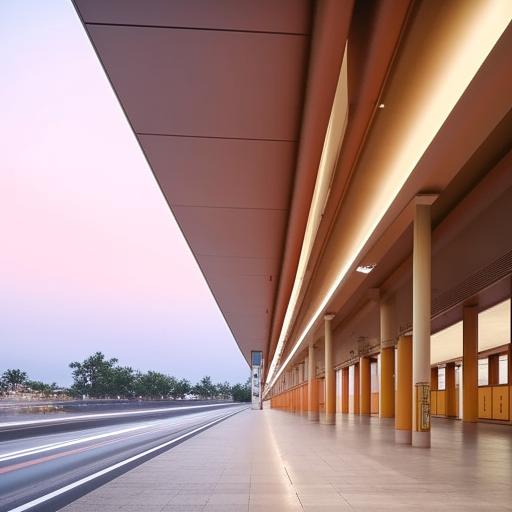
(91, 257)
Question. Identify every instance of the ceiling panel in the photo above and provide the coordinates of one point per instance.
(249, 327)
(233, 232)
(206, 83)
(229, 266)
(222, 172)
(244, 294)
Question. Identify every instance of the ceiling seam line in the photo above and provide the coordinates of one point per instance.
(177, 135)
(208, 207)
(205, 29)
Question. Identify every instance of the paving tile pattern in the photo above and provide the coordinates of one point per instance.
(274, 461)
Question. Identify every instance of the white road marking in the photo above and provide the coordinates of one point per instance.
(74, 485)
(174, 422)
(62, 444)
(108, 415)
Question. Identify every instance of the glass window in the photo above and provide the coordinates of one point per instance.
(503, 369)
(256, 357)
(457, 375)
(483, 372)
(441, 383)
(374, 379)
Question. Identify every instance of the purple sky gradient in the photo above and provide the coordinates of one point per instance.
(91, 257)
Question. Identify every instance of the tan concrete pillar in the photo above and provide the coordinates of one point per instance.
(470, 363)
(387, 359)
(451, 390)
(312, 385)
(330, 375)
(306, 380)
(344, 390)
(365, 389)
(421, 291)
(403, 404)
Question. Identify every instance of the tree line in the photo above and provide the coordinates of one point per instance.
(99, 377)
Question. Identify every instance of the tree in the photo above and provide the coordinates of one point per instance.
(223, 390)
(41, 387)
(181, 389)
(154, 385)
(242, 392)
(204, 389)
(121, 381)
(14, 378)
(93, 376)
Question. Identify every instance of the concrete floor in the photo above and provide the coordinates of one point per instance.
(274, 461)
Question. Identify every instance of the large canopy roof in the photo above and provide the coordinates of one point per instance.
(214, 93)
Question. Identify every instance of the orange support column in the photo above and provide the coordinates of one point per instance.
(387, 358)
(365, 389)
(451, 390)
(403, 405)
(470, 363)
(387, 383)
(344, 390)
(356, 388)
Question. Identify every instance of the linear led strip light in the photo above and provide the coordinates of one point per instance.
(330, 152)
(488, 20)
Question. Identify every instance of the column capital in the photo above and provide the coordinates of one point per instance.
(388, 343)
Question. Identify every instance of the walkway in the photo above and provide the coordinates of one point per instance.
(274, 461)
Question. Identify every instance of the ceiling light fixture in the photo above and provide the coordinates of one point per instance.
(330, 151)
(365, 269)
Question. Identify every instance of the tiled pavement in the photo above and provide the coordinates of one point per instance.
(274, 461)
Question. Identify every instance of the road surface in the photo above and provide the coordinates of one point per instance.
(47, 462)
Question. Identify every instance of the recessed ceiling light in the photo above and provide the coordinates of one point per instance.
(381, 105)
(365, 269)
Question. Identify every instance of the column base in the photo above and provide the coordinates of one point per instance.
(328, 419)
(313, 416)
(403, 436)
(421, 439)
